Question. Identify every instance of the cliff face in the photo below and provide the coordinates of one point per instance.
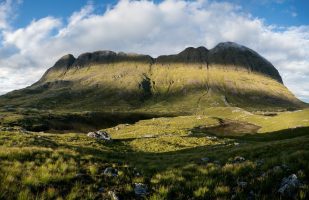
(196, 78)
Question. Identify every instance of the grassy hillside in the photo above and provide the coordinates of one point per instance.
(152, 88)
(201, 124)
(166, 155)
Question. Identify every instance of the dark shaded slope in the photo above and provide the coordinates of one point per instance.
(230, 54)
(189, 55)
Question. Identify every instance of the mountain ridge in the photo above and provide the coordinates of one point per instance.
(190, 81)
(189, 55)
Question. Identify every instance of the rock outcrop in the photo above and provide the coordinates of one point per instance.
(101, 135)
(233, 55)
(227, 54)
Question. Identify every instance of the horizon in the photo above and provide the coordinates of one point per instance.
(283, 39)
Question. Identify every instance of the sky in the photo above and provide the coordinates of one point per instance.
(34, 34)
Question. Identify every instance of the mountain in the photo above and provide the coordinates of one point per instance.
(190, 81)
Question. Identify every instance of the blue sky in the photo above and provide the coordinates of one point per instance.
(279, 12)
(35, 33)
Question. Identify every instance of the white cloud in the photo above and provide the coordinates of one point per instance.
(5, 11)
(146, 27)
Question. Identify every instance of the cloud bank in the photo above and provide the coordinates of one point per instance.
(151, 28)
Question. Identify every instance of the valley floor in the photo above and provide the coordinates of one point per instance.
(223, 153)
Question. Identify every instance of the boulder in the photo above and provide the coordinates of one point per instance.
(242, 184)
(217, 162)
(140, 189)
(102, 135)
(251, 195)
(113, 195)
(205, 159)
(109, 171)
(239, 159)
(289, 186)
(277, 169)
(260, 162)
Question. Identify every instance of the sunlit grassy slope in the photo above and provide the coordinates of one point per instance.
(163, 153)
(147, 87)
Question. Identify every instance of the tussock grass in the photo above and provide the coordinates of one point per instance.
(163, 153)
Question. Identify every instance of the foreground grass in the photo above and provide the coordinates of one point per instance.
(163, 153)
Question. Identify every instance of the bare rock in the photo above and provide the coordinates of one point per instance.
(109, 171)
(242, 184)
(239, 159)
(205, 159)
(102, 135)
(113, 195)
(140, 189)
(289, 186)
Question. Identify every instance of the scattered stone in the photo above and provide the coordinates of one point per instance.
(251, 195)
(264, 174)
(109, 171)
(217, 162)
(101, 189)
(289, 186)
(7, 129)
(211, 137)
(285, 167)
(140, 189)
(23, 131)
(205, 159)
(78, 175)
(259, 162)
(236, 143)
(113, 195)
(242, 184)
(102, 135)
(239, 159)
(148, 136)
(136, 172)
(300, 173)
(277, 169)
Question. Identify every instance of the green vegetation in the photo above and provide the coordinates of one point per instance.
(127, 86)
(201, 124)
(166, 154)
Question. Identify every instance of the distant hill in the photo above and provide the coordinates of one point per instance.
(197, 78)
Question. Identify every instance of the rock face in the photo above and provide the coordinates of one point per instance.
(101, 135)
(98, 57)
(189, 55)
(64, 62)
(226, 54)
